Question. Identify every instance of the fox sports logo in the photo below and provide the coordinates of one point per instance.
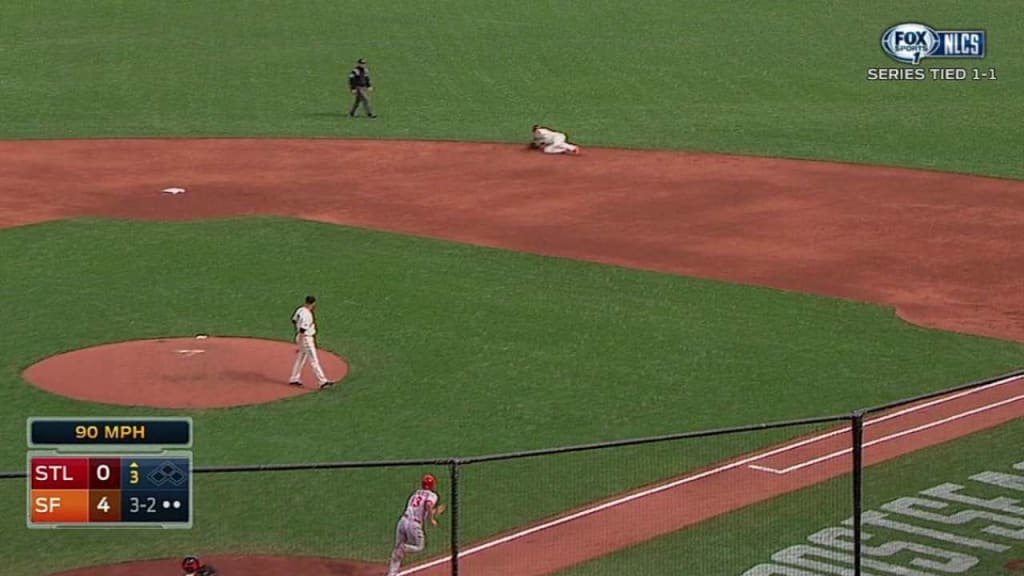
(910, 42)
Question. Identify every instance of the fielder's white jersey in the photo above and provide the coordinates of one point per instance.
(416, 509)
(545, 137)
(303, 320)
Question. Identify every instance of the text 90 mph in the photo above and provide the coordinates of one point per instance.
(955, 74)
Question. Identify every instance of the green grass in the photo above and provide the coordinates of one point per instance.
(456, 350)
(736, 542)
(758, 78)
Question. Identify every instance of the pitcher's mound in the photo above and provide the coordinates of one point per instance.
(181, 372)
(240, 566)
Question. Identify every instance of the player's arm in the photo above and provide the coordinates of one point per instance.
(431, 513)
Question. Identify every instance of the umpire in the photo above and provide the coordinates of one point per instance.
(359, 84)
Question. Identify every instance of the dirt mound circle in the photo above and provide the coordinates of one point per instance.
(180, 372)
(242, 565)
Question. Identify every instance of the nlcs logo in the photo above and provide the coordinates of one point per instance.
(910, 42)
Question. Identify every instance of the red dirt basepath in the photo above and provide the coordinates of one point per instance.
(944, 249)
(180, 372)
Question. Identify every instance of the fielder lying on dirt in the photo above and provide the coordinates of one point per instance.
(552, 142)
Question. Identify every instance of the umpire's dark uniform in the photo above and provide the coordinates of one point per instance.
(359, 83)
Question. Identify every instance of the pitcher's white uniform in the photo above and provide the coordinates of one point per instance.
(305, 337)
(552, 142)
(409, 537)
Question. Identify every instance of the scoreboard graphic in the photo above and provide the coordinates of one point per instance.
(83, 481)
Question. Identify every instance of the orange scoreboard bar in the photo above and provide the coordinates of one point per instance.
(140, 485)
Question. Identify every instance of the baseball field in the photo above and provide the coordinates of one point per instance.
(755, 232)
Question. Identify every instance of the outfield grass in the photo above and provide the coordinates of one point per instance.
(759, 78)
(455, 350)
(732, 544)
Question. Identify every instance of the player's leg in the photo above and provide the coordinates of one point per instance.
(300, 361)
(355, 105)
(563, 148)
(416, 541)
(559, 145)
(366, 105)
(314, 361)
(398, 552)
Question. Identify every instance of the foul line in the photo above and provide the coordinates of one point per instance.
(895, 435)
(897, 414)
(699, 476)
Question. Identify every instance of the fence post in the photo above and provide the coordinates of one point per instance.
(857, 423)
(454, 466)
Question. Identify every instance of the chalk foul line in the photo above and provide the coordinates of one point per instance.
(893, 436)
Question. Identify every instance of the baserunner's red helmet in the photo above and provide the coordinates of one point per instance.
(429, 482)
(191, 564)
